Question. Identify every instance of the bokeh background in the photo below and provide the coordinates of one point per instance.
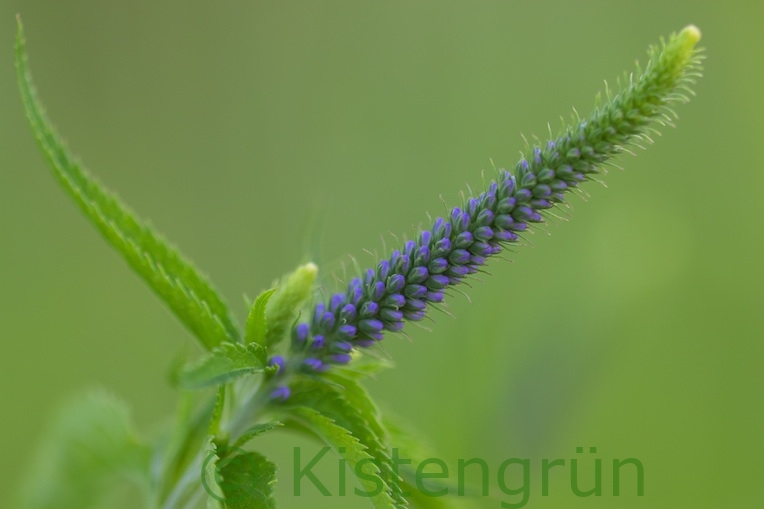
(257, 135)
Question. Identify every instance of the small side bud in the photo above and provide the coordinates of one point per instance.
(290, 295)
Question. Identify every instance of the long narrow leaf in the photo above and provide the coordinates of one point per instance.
(185, 290)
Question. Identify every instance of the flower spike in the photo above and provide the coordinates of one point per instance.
(401, 287)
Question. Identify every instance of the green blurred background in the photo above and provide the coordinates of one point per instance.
(259, 134)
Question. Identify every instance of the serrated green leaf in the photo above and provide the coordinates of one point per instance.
(185, 290)
(223, 364)
(284, 304)
(254, 431)
(357, 399)
(348, 404)
(342, 439)
(89, 449)
(247, 480)
(257, 325)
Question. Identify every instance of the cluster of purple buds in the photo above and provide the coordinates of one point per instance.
(401, 287)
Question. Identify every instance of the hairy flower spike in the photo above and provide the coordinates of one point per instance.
(401, 288)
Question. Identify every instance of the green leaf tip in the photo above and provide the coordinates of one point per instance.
(171, 276)
(691, 35)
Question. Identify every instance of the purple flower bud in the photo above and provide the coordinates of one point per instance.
(300, 333)
(415, 316)
(459, 256)
(313, 364)
(318, 342)
(394, 326)
(522, 195)
(347, 313)
(558, 186)
(435, 296)
(395, 300)
(480, 249)
(414, 291)
(399, 262)
(341, 358)
(425, 238)
(437, 266)
(483, 233)
(477, 260)
(437, 282)
(542, 191)
(441, 229)
(505, 236)
(458, 271)
(472, 207)
(337, 300)
(463, 240)
(545, 175)
(327, 321)
(390, 315)
(504, 221)
(277, 361)
(456, 213)
(489, 198)
(346, 331)
(365, 342)
(564, 172)
(522, 213)
(415, 305)
(370, 325)
(343, 346)
(484, 218)
(377, 290)
(383, 270)
(395, 283)
(418, 274)
(408, 248)
(280, 393)
(506, 205)
(369, 309)
(442, 248)
(541, 204)
(355, 291)
(318, 313)
(463, 223)
(422, 256)
(508, 184)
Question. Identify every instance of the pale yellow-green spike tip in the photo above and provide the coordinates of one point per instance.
(690, 35)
